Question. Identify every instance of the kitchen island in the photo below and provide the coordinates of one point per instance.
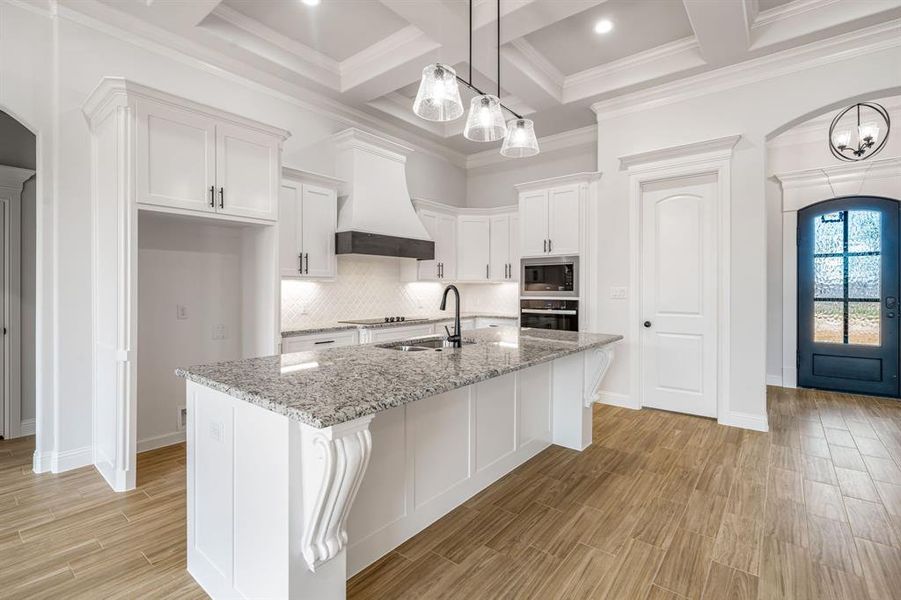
(304, 468)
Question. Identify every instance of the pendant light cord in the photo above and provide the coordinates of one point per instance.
(469, 83)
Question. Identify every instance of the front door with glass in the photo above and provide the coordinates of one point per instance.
(848, 295)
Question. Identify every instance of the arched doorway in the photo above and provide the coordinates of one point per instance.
(848, 290)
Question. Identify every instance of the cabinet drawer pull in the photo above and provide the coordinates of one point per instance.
(222, 197)
(212, 196)
(324, 342)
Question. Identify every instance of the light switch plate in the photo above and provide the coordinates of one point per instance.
(181, 312)
(219, 332)
(618, 293)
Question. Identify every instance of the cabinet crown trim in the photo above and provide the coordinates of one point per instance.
(112, 91)
(584, 177)
(433, 205)
(311, 177)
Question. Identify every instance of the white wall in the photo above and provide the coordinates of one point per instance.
(493, 185)
(755, 111)
(196, 265)
(800, 148)
(59, 61)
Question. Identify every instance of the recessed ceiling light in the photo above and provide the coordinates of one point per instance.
(603, 26)
(311, 2)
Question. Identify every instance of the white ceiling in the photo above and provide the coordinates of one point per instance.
(367, 55)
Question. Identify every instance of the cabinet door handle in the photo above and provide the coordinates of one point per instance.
(550, 245)
(545, 245)
(212, 196)
(487, 276)
(222, 197)
(307, 257)
(300, 263)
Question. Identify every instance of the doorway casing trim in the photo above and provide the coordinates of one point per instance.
(801, 189)
(708, 157)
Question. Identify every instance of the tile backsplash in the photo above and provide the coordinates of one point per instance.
(371, 287)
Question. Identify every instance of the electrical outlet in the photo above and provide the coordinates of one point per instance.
(181, 312)
(220, 332)
(618, 293)
(182, 420)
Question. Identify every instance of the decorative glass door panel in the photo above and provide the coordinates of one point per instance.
(847, 295)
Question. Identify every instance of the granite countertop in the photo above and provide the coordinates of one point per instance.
(329, 327)
(327, 387)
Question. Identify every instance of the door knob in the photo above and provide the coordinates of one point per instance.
(891, 302)
(647, 323)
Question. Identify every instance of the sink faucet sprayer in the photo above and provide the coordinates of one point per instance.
(456, 339)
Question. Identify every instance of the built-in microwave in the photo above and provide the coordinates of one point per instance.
(550, 277)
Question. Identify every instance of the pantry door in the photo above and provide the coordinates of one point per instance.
(679, 296)
(848, 295)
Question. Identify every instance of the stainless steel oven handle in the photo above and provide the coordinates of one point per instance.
(548, 311)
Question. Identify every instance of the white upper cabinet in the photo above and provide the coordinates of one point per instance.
(504, 248)
(551, 214)
(176, 157)
(563, 220)
(192, 159)
(443, 230)
(247, 172)
(308, 218)
(473, 248)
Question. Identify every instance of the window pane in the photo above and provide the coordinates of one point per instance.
(863, 323)
(864, 231)
(828, 234)
(864, 276)
(828, 277)
(828, 322)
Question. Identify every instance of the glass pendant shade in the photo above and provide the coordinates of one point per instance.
(520, 141)
(842, 139)
(485, 122)
(438, 98)
(868, 130)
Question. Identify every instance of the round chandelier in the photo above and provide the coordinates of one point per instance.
(855, 142)
(438, 99)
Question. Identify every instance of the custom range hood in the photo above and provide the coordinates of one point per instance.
(375, 215)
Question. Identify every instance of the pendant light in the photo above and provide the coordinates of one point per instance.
(438, 98)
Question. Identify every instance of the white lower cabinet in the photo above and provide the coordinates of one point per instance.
(320, 341)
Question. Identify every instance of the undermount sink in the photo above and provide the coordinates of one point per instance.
(421, 345)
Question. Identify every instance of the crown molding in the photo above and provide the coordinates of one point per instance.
(14, 177)
(667, 59)
(423, 203)
(552, 143)
(840, 173)
(528, 60)
(400, 47)
(311, 177)
(717, 147)
(154, 39)
(584, 177)
(787, 11)
(376, 144)
(824, 52)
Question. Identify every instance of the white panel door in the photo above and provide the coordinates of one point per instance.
(428, 269)
(473, 247)
(514, 253)
(678, 298)
(446, 246)
(175, 157)
(563, 220)
(533, 224)
(289, 231)
(500, 248)
(247, 173)
(318, 223)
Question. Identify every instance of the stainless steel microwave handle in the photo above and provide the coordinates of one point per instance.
(548, 311)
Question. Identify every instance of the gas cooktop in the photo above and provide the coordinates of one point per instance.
(381, 320)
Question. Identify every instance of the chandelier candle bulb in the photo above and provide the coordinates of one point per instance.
(438, 98)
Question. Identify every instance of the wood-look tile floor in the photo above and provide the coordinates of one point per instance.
(662, 506)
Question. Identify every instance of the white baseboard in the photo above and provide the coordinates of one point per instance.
(40, 462)
(27, 427)
(774, 380)
(160, 441)
(616, 399)
(71, 459)
(745, 421)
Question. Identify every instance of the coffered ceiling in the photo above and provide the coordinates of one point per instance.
(368, 54)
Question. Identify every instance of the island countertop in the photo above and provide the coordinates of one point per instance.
(328, 387)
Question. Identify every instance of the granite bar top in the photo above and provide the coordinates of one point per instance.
(329, 327)
(328, 387)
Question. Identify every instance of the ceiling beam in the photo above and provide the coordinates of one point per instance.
(722, 29)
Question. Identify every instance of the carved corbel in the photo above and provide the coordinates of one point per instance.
(597, 363)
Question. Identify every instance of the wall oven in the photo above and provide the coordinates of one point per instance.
(555, 276)
(549, 314)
